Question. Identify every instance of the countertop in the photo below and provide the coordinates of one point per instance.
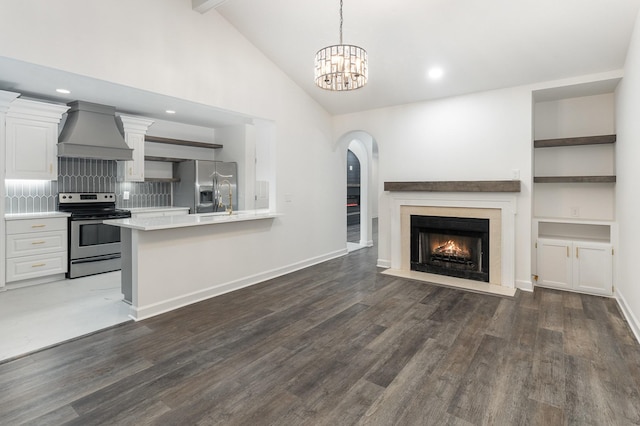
(154, 209)
(42, 215)
(183, 221)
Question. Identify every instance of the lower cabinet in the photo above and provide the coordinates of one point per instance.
(35, 248)
(581, 266)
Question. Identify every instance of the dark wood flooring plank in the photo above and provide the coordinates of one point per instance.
(354, 405)
(548, 371)
(551, 311)
(58, 416)
(472, 397)
(585, 400)
(510, 388)
(571, 300)
(541, 414)
(392, 403)
(577, 338)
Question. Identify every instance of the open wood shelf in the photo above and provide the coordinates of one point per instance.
(182, 142)
(165, 159)
(574, 179)
(584, 140)
(167, 180)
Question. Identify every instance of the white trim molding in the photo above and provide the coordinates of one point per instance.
(633, 322)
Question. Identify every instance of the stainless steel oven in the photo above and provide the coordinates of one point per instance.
(93, 246)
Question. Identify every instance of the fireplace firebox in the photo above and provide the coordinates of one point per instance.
(453, 246)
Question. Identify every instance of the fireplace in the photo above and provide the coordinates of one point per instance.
(452, 246)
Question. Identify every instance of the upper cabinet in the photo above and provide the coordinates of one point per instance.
(31, 139)
(135, 129)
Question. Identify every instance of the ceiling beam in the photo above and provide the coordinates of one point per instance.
(204, 6)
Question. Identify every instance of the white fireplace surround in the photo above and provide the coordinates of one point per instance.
(502, 203)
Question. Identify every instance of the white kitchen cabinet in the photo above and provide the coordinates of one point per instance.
(581, 266)
(135, 129)
(35, 248)
(31, 139)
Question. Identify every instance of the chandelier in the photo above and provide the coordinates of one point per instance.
(341, 67)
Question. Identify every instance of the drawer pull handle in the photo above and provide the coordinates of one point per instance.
(37, 242)
(38, 265)
(38, 226)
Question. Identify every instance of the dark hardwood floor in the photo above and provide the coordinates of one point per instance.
(353, 233)
(341, 344)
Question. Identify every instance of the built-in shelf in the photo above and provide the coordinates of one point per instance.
(456, 186)
(181, 142)
(167, 180)
(583, 140)
(165, 159)
(574, 179)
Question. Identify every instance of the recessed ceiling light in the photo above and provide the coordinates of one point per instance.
(436, 73)
(170, 111)
(63, 91)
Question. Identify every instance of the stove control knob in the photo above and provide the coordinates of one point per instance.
(64, 197)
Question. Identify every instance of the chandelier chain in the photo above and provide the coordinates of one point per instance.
(340, 21)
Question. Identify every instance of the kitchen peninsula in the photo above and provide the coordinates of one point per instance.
(172, 261)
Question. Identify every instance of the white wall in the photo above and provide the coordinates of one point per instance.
(484, 136)
(163, 46)
(628, 183)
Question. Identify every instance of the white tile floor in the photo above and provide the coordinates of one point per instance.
(36, 317)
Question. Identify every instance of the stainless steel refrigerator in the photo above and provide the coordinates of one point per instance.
(206, 186)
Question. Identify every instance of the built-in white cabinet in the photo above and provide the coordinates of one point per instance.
(135, 129)
(575, 265)
(574, 187)
(31, 139)
(35, 248)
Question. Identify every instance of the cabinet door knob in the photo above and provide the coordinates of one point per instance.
(38, 265)
(37, 242)
(568, 254)
(38, 226)
(577, 252)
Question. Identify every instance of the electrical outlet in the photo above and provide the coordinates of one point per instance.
(515, 174)
(125, 195)
(575, 211)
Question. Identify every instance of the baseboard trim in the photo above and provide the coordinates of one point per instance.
(144, 312)
(633, 322)
(524, 285)
(383, 263)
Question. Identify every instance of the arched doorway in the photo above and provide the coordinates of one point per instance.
(361, 188)
(353, 198)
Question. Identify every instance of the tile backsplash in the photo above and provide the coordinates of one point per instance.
(83, 175)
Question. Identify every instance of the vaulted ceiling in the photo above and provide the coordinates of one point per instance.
(480, 45)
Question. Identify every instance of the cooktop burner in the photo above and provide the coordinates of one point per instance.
(94, 205)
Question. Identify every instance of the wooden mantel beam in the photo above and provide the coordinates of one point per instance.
(455, 186)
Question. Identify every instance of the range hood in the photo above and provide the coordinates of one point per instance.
(91, 131)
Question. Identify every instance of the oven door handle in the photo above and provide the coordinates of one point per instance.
(96, 258)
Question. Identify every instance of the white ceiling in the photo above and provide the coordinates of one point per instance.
(481, 44)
